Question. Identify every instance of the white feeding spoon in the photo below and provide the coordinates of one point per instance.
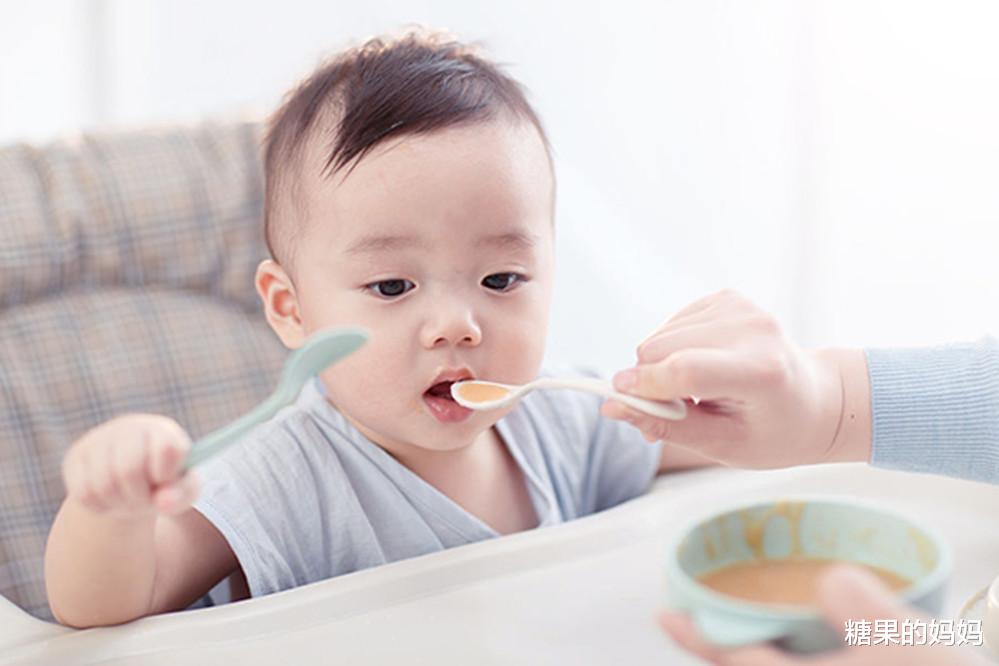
(479, 395)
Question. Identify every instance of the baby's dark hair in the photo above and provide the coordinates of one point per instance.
(387, 87)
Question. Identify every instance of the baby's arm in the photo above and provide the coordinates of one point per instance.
(125, 542)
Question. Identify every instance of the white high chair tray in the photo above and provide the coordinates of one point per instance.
(581, 593)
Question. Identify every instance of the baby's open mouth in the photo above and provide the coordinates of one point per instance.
(440, 403)
(441, 390)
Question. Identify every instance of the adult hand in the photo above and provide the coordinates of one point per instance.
(845, 593)
(761, 401)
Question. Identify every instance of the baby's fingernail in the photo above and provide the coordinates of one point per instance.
(626, 379)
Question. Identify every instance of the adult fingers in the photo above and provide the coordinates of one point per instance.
(703, 429)
(705, 373)
(689, 335)
(682, 630)
(711, 321)
(687, 313)
(850, 593)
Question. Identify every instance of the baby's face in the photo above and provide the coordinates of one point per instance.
(442, 246)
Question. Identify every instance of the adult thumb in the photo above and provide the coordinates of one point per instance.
(849, 592)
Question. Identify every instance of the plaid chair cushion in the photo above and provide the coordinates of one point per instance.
(126, 285)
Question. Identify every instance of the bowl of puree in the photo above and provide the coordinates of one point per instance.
(750, 573)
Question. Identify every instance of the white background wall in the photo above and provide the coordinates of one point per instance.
(837, 161)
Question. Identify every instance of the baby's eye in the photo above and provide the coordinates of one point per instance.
(501, 281)
(390, 288)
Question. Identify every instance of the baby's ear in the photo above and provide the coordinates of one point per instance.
(280, 303)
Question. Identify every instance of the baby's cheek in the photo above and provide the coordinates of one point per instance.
(359, 379)
(364, 400)
(522, 350)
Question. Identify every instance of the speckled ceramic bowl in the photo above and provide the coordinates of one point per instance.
(828, 528)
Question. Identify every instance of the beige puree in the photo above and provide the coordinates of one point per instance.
(793, 580)
(482, 392)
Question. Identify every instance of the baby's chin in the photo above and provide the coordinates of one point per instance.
(444, 437)
(421, 431)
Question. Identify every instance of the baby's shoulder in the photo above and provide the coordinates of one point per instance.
(294, 439)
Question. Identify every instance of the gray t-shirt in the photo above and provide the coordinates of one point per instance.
(306, 496)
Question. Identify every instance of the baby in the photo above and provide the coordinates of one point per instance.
(410, 191)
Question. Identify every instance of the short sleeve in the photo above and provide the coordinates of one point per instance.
(258, 494)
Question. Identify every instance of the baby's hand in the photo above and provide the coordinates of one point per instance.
(131, 466)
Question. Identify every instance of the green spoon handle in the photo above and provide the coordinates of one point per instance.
(214, 442)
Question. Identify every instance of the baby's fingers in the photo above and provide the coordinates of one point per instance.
(128, 465)
(80, 482)
(174, 490)
(176, 497)
(168, 446)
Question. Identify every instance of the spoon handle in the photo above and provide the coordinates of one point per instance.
(215, 441)
(672, 409)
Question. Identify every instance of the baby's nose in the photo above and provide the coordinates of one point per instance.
(453, 324)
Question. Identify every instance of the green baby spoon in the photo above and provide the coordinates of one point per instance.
(319, 351)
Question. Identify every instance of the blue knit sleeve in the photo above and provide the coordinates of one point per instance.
(936, 409)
